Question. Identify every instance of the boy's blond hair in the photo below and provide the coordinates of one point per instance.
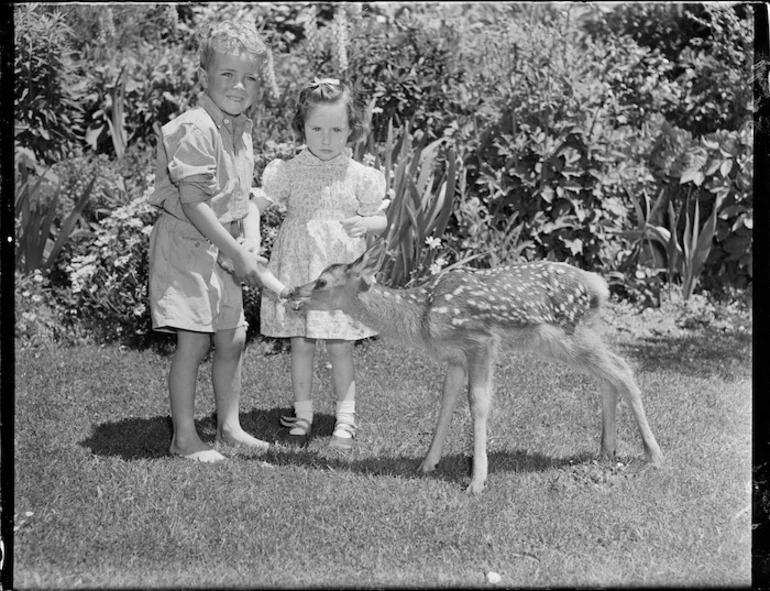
(230, 37)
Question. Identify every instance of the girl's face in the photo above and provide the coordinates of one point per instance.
(231, 81)
(327, 130)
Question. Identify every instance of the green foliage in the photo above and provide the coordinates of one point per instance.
(546, 125)
(421, 180)
(48, 117)
(108, 190)
(131, 95)
(708, 49)
(39, 239)
(712, 172)
(412, 72)
(550, 150)
(105, 288)
(37, 313)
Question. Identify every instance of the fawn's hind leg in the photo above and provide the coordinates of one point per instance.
(609, 444)
(454, 382)
(585, 350)
(626, 385)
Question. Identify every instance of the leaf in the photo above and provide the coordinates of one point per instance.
(575, 246)
(547, 194)
(726, 167)
(69, 224)
(92, 136)
(692, 175)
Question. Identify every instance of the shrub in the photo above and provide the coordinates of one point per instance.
(40, 234)
(105, 288)
(152, 84)
(701, 221)
(38, 318)
(47, 94)
(551, 151)
(709, 51)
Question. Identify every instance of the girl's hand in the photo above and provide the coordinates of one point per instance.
(354, 227)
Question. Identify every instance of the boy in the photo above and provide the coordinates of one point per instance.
(203, 181)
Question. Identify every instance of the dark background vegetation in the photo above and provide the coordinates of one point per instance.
(615, 137)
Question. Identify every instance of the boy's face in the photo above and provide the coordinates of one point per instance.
(231, 81)
(327, 130)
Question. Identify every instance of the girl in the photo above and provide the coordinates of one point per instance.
(203, 182)
(332, 204)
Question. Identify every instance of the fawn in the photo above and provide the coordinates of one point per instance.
(464, 317)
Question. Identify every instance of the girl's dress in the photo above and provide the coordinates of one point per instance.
(317, 194)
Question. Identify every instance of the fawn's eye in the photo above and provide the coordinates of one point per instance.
(321, 283)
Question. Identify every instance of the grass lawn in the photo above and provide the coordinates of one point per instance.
(99, 504)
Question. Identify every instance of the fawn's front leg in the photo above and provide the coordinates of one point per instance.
(454, 381)
(480, 370)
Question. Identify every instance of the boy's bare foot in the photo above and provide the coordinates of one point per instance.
(199, 452)
(240, 437)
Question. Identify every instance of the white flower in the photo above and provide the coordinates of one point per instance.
(433, 242)
(391, 193)
(139, 310)
(36, 298)
(368, 159)
(438, 264)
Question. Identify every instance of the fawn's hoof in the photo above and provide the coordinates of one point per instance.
(426, 467)
(476, 487)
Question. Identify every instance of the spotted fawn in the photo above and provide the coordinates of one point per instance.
(464, 318)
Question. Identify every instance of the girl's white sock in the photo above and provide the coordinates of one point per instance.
(303, 409)
(346, 413)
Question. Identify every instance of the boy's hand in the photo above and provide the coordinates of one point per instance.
(245, 269)
(250, 246)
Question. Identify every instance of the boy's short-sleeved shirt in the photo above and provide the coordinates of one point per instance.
(205, 155)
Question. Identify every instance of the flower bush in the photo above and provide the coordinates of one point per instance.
(105, 283)
(38, 314)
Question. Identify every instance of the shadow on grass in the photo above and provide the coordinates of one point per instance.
(454, 468)
(146, 439)
(134, 438)
(149, 438)
(698, 355)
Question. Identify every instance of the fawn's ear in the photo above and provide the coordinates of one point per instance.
(369, 263)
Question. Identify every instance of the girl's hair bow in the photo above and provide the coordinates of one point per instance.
(319, 81)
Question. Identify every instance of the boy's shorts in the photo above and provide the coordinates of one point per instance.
(188, 289)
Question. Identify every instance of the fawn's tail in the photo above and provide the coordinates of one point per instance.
(597, 289)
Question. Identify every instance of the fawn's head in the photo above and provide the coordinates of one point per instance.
(340, 283)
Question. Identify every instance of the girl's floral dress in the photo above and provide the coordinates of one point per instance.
(317, 195)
